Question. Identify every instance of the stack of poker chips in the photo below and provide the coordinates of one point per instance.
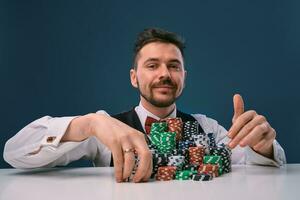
(177, 161)
(214, 160)
(166, 173)
(225, 153)
(175, 126)
(164, 141)
(196, 155)
(181, 152)
(184, 174)
(210, 169)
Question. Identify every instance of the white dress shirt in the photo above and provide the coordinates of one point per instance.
(38, 144)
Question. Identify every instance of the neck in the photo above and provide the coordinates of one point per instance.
(160, 112)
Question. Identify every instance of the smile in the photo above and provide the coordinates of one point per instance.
(164, 87)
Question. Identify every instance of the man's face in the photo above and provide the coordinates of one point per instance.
(159, 74)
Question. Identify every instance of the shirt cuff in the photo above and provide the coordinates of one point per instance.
(253, 157)
(56, 130)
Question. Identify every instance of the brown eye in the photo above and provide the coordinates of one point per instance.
(151, 66)
(174, 66)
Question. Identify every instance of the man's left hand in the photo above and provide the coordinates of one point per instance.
(250, 129)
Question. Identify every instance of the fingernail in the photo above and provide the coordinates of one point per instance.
(119, 180)
(231, 145)
(135, 180)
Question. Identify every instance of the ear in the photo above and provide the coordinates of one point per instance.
(185, 75)
(133, 78)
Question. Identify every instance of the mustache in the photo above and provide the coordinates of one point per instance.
(165, 82)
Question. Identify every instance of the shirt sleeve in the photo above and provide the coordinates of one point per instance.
(241, 155)
(38, 145)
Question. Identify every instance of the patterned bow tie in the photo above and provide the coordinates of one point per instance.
(148, 123)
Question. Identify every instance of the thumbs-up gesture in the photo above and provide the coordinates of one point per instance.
(250, 129)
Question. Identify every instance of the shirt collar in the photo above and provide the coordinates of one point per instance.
(142, 113)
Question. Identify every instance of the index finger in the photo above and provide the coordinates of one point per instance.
(240, 123)
(145, 158)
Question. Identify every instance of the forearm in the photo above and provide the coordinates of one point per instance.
(41, 135)
(79, 129)
(49, 141)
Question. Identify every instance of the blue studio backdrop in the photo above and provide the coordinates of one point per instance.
(66, 58)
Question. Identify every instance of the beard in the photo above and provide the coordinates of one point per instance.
(150, 97)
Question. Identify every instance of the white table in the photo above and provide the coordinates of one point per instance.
(244, 182)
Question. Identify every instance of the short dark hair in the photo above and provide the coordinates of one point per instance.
(150, 35)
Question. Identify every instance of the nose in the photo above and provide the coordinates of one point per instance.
(164, 72)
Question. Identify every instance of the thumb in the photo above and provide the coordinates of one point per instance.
(238, 106)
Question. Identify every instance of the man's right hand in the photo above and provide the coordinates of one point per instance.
(118, 137)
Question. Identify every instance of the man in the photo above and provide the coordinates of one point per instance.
(159, 74)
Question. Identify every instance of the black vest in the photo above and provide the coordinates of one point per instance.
(131, 119)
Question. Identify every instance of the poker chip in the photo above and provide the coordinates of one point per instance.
(184, 174)
(202, 177)
(192, 167)
(190, 128)
(214, 160)
(225, 153)
(165, 173)
(159, 127)
(177, 161)
(202, 141)
(196, 155)
(164, 142)
(212, 169)
(212, 140)
(181, 152)
(175, 125)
